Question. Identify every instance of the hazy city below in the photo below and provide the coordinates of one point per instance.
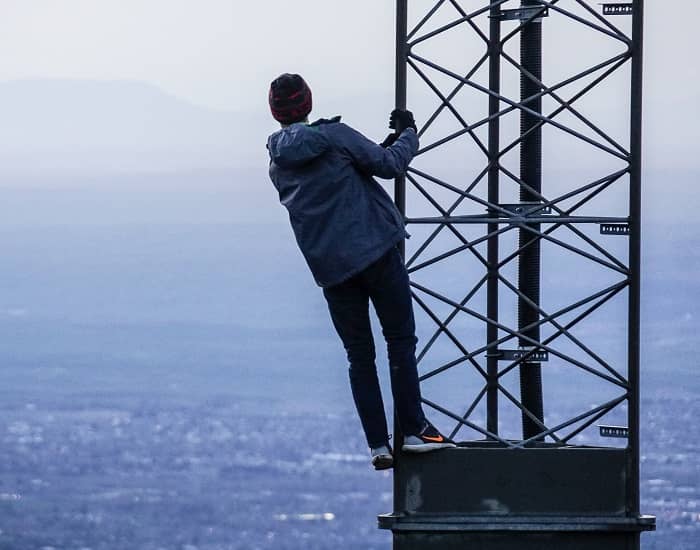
(180, 387)
(170, 378)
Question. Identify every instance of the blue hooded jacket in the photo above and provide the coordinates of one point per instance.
(343, 220)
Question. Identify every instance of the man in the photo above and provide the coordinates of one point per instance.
(348, 228)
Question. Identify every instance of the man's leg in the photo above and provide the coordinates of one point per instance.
(348, 304)
(391, 296)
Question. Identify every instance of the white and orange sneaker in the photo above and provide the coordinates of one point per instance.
(430, 439)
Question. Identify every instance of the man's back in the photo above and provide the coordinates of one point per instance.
(342, 218)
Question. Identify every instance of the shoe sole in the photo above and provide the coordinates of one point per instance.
(382, 462)
(427, 447)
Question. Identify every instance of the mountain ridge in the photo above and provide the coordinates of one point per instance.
(77, 125)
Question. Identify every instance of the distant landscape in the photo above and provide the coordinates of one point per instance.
(166, 355)
(155, 394)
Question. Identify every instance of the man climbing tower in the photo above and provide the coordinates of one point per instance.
(348, 228)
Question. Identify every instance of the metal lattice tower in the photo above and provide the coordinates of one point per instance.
(524, 209)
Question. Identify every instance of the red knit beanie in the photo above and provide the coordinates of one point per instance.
(290, 98)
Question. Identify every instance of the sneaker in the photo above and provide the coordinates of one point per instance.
(382, 458)
(430, 439)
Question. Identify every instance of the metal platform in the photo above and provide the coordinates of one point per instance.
(481, 496)
(520, 540)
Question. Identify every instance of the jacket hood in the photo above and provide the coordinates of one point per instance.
(296, 145)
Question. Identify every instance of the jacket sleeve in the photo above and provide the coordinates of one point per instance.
(374, 159)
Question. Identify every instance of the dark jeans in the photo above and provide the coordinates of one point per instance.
(385, 282)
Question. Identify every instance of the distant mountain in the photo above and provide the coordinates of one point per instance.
(81, 125)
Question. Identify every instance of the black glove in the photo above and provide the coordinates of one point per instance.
(389, 140)
(400, 120)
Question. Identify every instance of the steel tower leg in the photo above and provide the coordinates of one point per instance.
(400, 95)
(400, 182)
(529, 260)
(635, 253)
(492, 228)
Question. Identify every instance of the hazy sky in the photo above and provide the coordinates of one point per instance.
(220, 53)
(223, 54)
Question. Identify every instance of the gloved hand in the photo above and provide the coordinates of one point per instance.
(400, 120)
(389, 140)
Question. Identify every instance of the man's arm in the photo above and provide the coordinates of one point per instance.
(373, 159)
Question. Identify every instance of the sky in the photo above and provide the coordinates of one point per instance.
(217, 53)
(223, 53)
(219, 56)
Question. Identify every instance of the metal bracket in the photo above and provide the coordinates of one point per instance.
(618, 9)
(527, 208)
(534, 356)
(614, 431)
(614, 229)
(524, 13)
